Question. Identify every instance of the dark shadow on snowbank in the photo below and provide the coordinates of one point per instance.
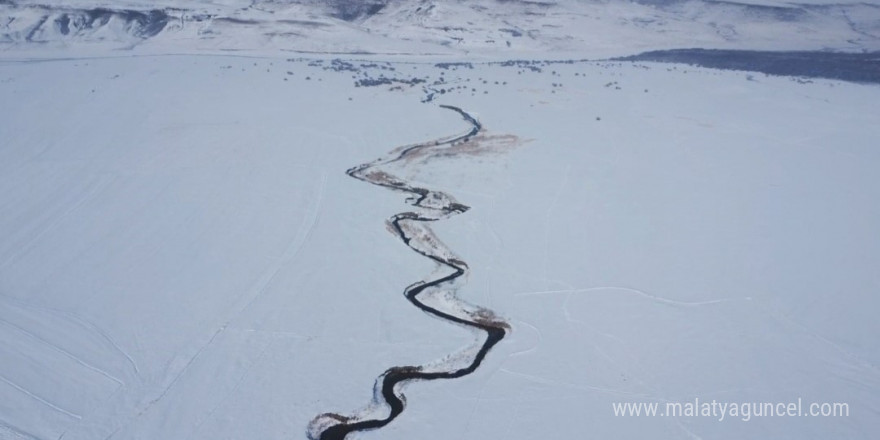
(853, 67)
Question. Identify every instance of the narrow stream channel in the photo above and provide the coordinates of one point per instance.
(412, 227)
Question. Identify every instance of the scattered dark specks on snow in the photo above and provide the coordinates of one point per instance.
(512, 32)
(454, 65)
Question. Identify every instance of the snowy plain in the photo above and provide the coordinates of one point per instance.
(182, 255)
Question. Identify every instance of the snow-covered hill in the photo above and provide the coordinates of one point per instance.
(476, 27)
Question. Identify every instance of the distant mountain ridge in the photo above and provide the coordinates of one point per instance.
(591, 27)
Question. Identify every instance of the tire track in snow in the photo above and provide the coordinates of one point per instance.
(10, 432)
(412, 228)
(81, 322)
(40, 399)
(59, 349)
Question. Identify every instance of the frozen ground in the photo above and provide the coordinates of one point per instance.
(183, 256)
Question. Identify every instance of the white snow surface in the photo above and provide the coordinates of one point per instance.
(182, 255)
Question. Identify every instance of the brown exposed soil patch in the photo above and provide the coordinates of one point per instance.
(479, 145)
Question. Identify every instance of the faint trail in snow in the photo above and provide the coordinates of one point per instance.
(533, 347)
(40, 399)
(61, 350)
(291, 251)
(254, 292)
(412, 228)
(655, 298)
(107, 337)
(183, 371)
(9, 432)
(855, 359)
(85, 324)
(687, 431)
(168, 388)
(225, 397)
(574, 386)
(55, 221)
